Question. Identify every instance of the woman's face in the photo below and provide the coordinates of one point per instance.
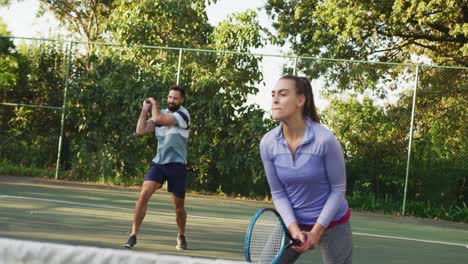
(285, 102)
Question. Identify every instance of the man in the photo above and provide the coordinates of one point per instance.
(171, 127)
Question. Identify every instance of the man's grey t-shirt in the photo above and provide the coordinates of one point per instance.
(172, 140)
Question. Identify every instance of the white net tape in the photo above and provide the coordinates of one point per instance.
(28, 252)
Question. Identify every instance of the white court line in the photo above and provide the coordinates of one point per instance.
(114, 207)
(226, 219)
(411, 239)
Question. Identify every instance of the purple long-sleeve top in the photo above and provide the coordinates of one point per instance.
(310, 187)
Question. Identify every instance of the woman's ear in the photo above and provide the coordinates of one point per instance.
(301, 99)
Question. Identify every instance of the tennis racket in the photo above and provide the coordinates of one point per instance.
(267, 237)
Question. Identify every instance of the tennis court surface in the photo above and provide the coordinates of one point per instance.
(100, 216)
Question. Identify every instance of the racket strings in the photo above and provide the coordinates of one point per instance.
(266, 239)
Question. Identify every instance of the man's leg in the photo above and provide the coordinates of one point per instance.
(149, 187)
(176, 182)
(181, 215)
(181, 219)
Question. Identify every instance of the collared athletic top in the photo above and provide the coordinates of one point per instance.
(309, 188)
(172, 140)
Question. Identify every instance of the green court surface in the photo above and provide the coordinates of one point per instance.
(97, 215)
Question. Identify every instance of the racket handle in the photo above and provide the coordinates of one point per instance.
(296, 242)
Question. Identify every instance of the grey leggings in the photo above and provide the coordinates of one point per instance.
(336, 246)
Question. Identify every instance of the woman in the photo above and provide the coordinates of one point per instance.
(305, 168)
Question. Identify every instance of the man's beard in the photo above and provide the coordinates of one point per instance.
(173, 107)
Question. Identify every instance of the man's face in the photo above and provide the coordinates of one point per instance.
(174, 100)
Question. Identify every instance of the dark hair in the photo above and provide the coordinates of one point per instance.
(178, 88)
(303, 87)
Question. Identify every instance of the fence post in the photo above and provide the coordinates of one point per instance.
(179, 65)
(294, 66)
(413, 109)
(64, 107)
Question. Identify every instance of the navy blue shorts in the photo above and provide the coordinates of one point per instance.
(175, 174)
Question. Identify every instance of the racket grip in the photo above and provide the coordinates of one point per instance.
(295, 242)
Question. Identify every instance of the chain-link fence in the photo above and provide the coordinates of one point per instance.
(77, 103)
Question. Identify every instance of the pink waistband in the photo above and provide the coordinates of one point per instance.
(342, 220)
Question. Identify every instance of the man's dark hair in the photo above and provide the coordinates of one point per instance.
(178, 88)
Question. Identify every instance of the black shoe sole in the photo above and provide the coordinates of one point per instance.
(181, 248)
(132, 241)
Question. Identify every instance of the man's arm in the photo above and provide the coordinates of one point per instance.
(144, 126)
(159, 118)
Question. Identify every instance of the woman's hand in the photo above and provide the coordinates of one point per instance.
(311, 239)
(313, 236)
(297, 234)
(302, 238)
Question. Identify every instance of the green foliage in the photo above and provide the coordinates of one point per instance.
(367, 201)
(6, 44)
(439, 151)
(396, 31)
(5, 2)
(170, 23)
(238, 33)
(375, 145)
(8, 62)
(441, 115)
(438, 211)
(374, 142)
(12, 168)
(363, 201)
(29, 135)
(8, 73)
(87, 19)
(382, 30)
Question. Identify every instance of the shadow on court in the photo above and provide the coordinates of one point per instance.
(98, 215)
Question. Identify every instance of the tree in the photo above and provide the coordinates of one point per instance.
(8, 62)
(86, 18)
(39, 80)
(9, 68)
(385, 30)
(374, 140)
(160, 23)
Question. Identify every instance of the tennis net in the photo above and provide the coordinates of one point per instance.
(14, 251)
